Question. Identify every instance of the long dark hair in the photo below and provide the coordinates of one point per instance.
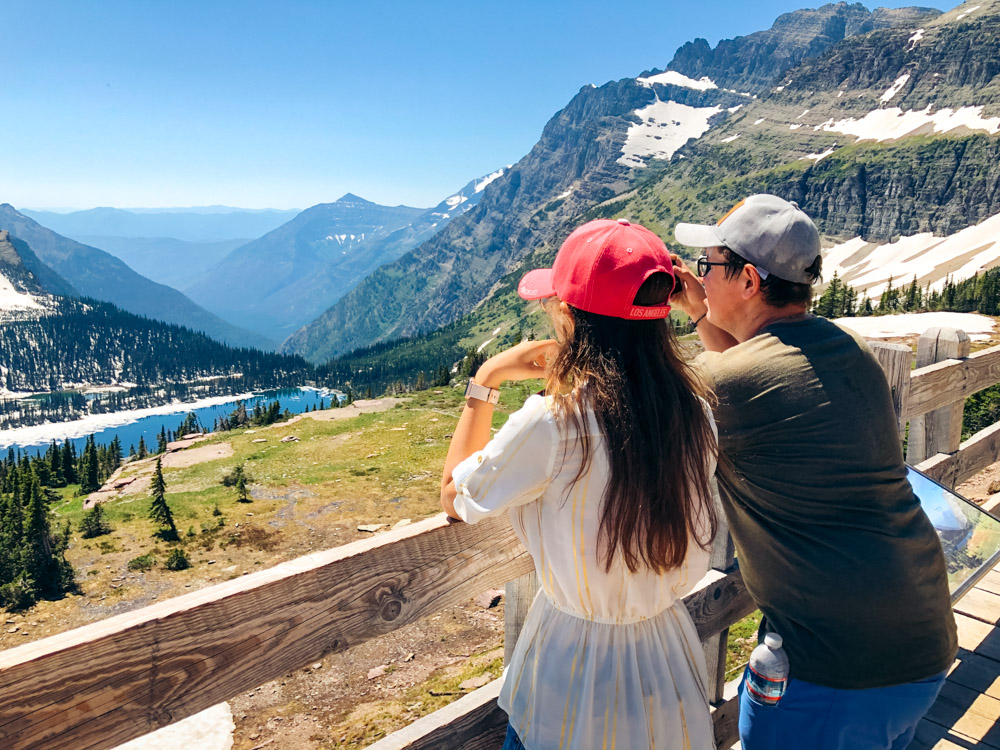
(646, 400)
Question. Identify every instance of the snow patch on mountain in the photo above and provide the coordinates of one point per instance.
(11, 299)
(480, 186)
(914, 40)
(977, 326)
(822, 155)
(973, 9)
(894, 89)
(673, 78)
(889, 124)
(868, 266)
(664, 128)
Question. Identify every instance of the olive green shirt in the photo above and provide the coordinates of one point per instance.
(832, 542)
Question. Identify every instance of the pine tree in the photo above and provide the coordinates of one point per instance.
(142, 447)
(161, 440)
(94, 524)
(42, 554)
(241, 487)
(159, 511)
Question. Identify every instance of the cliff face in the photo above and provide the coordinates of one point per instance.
(577, 164)
(26, 273)
(752, 63)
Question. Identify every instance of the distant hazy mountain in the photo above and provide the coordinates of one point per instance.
(204, 224)
(286, 278)
(97, 274)
(164, 259)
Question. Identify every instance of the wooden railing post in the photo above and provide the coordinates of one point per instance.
(895, 360)
(723, 558)
(518, 596)
(939, 431)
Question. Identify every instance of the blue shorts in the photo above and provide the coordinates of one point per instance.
(822, 718)
(512, 741)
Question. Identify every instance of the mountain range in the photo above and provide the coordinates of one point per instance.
(606, 144)
(888, 138)
(96, 274)
(285, 279)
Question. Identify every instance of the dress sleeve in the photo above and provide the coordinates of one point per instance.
(514, 468)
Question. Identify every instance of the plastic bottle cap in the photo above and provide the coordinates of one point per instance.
(773, 641)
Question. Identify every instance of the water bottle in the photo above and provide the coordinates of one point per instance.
(767, 676)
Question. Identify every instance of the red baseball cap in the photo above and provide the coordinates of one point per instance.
(599, 269)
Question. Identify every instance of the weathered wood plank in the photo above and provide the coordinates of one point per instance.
(100, 685)
(725, 723)
(967, 712)
(980, 604)
(976, 673)
(990, 582)
(474, 721)
(978, 637)
(939, 431)
(895, 360)
(932, 736)
(975, 454)
(714, 647)
(949, 381)
(720, 600)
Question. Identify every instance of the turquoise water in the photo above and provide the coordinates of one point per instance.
(296, 400)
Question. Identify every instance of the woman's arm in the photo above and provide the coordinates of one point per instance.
(521, 362)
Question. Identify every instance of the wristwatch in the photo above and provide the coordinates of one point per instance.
(474, 390)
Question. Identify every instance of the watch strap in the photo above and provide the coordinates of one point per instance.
(481, 392)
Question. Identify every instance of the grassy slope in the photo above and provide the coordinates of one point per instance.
(379, 467)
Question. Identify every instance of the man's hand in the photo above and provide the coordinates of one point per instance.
(690, 298)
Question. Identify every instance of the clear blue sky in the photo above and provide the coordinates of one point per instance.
(292, 103)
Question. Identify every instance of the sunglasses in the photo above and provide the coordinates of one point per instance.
(705, 265)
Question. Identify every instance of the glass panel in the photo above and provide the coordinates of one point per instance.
(970, 536)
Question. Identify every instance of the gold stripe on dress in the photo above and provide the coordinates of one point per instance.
(569, 695)
(583, 551)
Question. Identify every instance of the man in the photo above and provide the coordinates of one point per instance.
(831, 540)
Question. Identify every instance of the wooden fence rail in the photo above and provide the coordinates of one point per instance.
(103, 684)
(100, 685)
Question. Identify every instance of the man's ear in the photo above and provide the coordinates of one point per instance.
(749, 282)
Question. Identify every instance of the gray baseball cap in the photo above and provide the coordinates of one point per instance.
(770, 232)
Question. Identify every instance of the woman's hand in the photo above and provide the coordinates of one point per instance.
(690, 299)
(522, 362)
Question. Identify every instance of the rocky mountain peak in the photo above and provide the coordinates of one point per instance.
(752, 63)
(352, 198)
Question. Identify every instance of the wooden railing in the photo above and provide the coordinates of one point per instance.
(102, 684)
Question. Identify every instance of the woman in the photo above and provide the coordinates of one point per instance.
(607, 481)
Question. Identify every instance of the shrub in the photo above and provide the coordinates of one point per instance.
(19, 594)
(93, 523)
(177, 560)
(143, 562)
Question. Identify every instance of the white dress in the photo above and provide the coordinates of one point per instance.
(606, 659)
